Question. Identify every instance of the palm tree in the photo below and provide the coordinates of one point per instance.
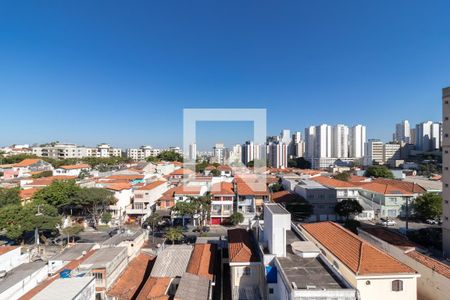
(174, 234)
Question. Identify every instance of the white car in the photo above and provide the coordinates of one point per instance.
(387, 222)
(432, 222)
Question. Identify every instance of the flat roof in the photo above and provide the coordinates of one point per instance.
(172, 261)
(122, 237)
(102, 257)
(67, 288)
(192, 287)
(74, 252)
(19, 273)
(276, 209)
(311, 184)
(306, 273)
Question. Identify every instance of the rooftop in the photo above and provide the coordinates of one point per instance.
(152, 185)
(222, 188)
(74, 252)
(192, 287)
(240, 247)
(358, 255)
(102, 258)
(6, 249)
(172, 261)
(27, 162)
(276, 208)
(69, 287)
(123, 237)
(19, 273)
(75, 167)
(202, 261)
(285, 197)
(155, 288)
(333, 183)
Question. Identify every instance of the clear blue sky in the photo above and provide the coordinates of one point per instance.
(122, 72)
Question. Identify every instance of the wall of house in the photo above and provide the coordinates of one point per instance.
(375, 288)
(23, 286)
(12, 259)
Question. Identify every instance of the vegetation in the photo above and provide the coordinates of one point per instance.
(42, 174)
(236, 218)
(9, 196)
(170, 156)
(257, 163)
(347, 208)
(200, 167)
(174, 234)
(428, 206)
(344, 176)
(215, 173)
(379, 171)
(185, 208)
(299, 163)
(352, 225)
(72, 230)
(427, 237)
(106, 217)
(153, 220)
(276, 187)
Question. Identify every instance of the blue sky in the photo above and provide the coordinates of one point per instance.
(122, 72)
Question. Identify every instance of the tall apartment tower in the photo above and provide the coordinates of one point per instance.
(310, 140)
(357, 141)
(340, 135)
(323, 141)
(402, 132)
(446, 172)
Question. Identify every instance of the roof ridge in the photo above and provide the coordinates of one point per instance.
(361, 249)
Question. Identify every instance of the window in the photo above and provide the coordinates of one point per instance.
(247, 271)
(397, 285)
(271, 291)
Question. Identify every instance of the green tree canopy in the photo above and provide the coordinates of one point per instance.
(379, 171)
(174, 234)
(215, 172)
(347, 208)
(428, 206)
(59, 194)
(236, 218)
(299, 162)
(170, 156)
(344, 176)
(9, 196)
(93, 202)
(153, 220)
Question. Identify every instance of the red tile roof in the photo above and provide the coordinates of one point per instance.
(155, 289)
(224, 168)
(126, 177)
(6, 249)
(75, 167)
(410, 187)
(222, 188)
(152, 185)
(193, 190)
(354, 178)
(358, 255)
(285, 197)
(240, 248)
(119, 186)
(251, 186)
(132, 278)
(202, 261)
(431, 263)
(182, 172)
(27, 162)
(44, 181)
(28, 193)
(383, 188)
(333, 183)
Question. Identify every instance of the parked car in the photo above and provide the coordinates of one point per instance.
(432, 222)
(387, 222)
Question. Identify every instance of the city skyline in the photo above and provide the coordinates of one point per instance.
(96, 80)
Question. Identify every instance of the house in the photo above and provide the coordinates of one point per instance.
(130, 283)
(145, 199)
(251, 193)
(26, 166)
(76, 288)
(133, 241)
(222, 202)
(246, 269)
(295, 268)
(179, 174)
(72, 170)
(374, 273)
(11, 257)
(68, 255)
(193, 287)
(123, 193)
(225, 170)
(105, 265)
(22, 279)
(434, 280)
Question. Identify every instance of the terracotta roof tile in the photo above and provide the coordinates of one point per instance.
(285, 197)
(152, 185)
(155, 289)
(75, 167)
(250, 187)
(383, 188)
(240, 248)
(132, 278)
(28, 193)
(119, 186)
(182, 172)
(6, 249)
(358, 255)
(126, 177)
(390, 237)
(202, 259)
(333, 183)
(410, 187)
(431, 263)
(27, 162)
(222, 188)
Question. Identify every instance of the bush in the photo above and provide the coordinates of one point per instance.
(106, 217)
(379, 171)
(352, 225)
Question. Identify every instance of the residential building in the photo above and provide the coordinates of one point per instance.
(222, 202)
(323, 141)
(357, 141)
(235, 155)
(251, 152)
(22, 279)
(310, 140)
(193, 152)
(68, 255)
(11, 257)
(145, 198)
(295, 268)
(446, 172)
(374, 273)
(391, 154)
(72, 170)
(123, 192)
(30, 165)
(373, 152)
(278, 155)
(63, 151)
(219, 153)
(106, 265)
(285, 136)
(75, 288)
(251, 193)
(402, 132)
(246, 269)
(340, 141)
(131, 240)
(428, 136)
(141, 153)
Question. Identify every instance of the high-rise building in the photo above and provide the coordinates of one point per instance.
(391, 153)
(219, 153)
(428, 136)
(373, 152)
(310, 140)
(357, 141)
(193, 152)
(322, 146)
(339, 141)
(278, 155)
(402, 132)
(446, 172)
(251, 152)
(285, 136)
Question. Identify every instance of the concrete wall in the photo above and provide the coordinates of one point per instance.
(12, 259)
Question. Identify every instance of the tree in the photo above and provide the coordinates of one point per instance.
(174, 234)
(200, 167)
(428, 206)
(11, 221)
(93, 202)
(59, 194)
(203, 207)
(352, 225)
(106, 217)
(153, 220)
(9, 196)
(276, 187)
(170, 156)
(300, 210)
(299, 162)
(215, 172)
(185, 208)
(152, 159)
(236, 218)
(345, 176)
(347, 208)
(379, 171)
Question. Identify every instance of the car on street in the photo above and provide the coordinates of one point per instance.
(387, 222)
(432, 222)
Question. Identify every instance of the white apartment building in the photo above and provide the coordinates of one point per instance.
(323, 140)
(219, 153)
(428, 136)
(278, 155)
(235, 154)
(285, 136)
(357, 141)
(63, 151)
(251, 151)
(340, 141)
(373, 152)
(446, 172)
(391, 153)
(402, 132)
(193, 152)
(310, 140)
(142, 152)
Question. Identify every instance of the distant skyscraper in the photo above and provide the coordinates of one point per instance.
(323, 140)
(251, 152)
(357, 141)
(310, 141)
(193, 152)
(285, 136)
(402, 132)
(219, 153)
(428, 136)
(340, 141)
(278, 155)
(373, 152)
